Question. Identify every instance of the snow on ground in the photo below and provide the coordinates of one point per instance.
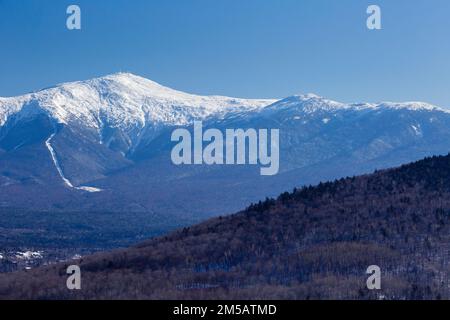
(417, 129)
(122, 100)
(89, 189)
(27, 255)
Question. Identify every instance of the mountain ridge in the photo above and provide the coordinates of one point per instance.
(145, 88)
(131, 88)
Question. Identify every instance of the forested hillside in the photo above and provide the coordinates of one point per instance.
(315, 242)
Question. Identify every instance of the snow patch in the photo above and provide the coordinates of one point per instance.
(89, 189)
(417, 130)
(27, 255)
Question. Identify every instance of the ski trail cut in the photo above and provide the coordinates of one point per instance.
(55, 162)
(61, 173)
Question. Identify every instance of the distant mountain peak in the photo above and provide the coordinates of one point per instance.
(311, 103)
(129, 81)
(307, 103)
(308, 96)
(123, 99)
(412, 105)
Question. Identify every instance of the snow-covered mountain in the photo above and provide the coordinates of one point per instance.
(120, 101)
(123, 100)
(98, 124)
(105, 143)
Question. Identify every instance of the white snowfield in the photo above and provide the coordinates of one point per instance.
(130, 102)
(27, 255)
(310, 103)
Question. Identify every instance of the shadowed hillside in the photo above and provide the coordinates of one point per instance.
(315, 242)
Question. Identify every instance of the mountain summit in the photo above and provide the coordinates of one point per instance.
(121, 100)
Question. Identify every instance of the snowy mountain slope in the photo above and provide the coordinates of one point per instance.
(310, 103)
(97, 124)
(112, 134)
(315, 129)
(122, 101)
(319, 140)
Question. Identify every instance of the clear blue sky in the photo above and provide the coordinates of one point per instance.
(245, 48)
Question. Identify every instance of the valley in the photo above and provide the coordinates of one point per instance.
(312, 243)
